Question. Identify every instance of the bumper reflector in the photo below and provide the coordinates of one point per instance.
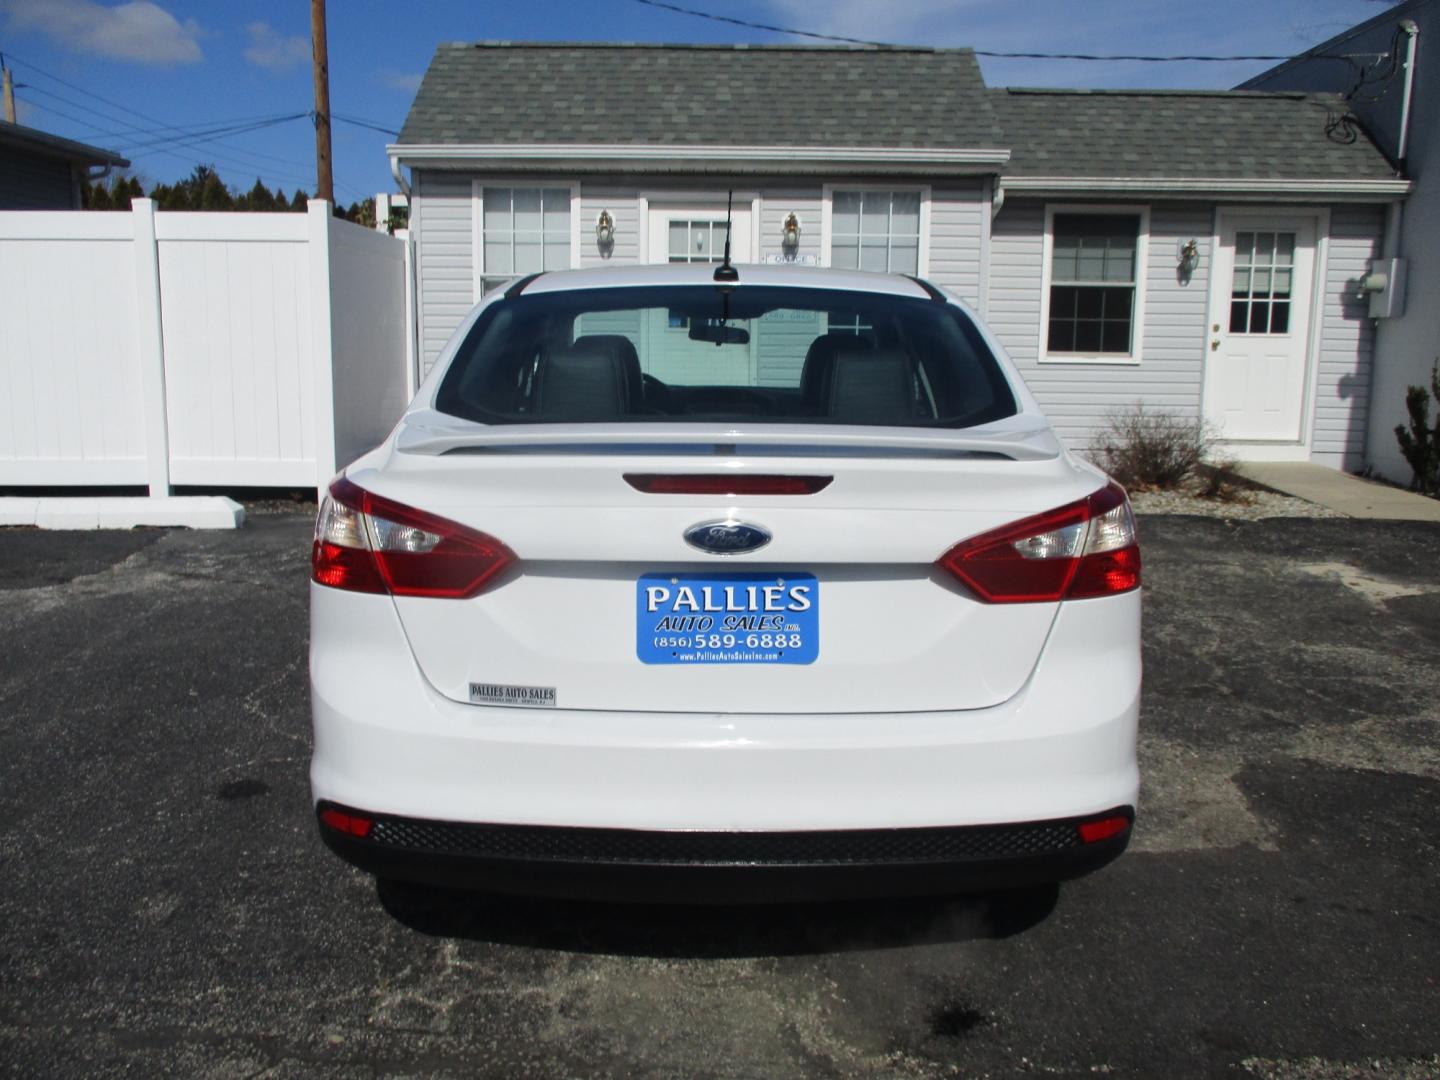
(1092, 832)
(350, 824)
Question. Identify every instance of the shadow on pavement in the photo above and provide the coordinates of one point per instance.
(712, 932)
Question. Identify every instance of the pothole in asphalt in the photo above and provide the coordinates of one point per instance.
(247, 788)
(955, 1020)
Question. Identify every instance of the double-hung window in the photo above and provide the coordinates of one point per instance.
(523, 230)
(1094, 285)
(875, 230)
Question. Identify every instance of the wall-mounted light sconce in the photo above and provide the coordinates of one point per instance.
(790, 235)
(1189, 257)
(605, 233)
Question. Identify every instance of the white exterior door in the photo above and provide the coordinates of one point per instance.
(1258, 345)
(694, 233)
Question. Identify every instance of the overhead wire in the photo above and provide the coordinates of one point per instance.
(293, 178)
(358, 122)
(124, 130)
(995, 54)
(236, 153)
(1341, 126)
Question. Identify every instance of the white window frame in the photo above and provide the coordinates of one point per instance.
(477, 220)
(827, 210)
(1137, 315)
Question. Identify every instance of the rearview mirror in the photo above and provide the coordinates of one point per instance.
(718, 332)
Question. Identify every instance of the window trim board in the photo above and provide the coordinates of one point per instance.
(1142, 267)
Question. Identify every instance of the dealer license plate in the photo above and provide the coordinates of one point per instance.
(727, 618)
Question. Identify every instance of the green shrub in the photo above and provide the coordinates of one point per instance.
(1151, 449)
(1421, 443)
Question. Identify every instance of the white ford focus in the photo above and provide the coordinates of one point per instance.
(762, 583)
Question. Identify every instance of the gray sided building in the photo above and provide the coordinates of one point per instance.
(1396, 96)
(40, 171)
(1200, 252)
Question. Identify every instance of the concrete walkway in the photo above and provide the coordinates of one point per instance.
(1340, 491)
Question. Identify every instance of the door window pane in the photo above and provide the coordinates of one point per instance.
(1262, 281)
(696, 241)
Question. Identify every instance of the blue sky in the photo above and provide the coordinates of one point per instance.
(190, 68)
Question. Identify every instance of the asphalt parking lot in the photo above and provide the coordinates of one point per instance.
(167, 909)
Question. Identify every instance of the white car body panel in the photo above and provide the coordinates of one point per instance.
(584, 537)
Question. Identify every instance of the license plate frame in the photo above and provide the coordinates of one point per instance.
(739, 617)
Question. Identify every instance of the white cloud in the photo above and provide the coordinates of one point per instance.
(399, 80)
(922, 22)
(139, 31)
(268, 49)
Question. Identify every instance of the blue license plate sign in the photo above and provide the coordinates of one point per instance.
(727, 618)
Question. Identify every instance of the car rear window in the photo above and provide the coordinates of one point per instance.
(747, 354)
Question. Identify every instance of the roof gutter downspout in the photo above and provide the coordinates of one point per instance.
(997, 198)
(1412, 32)
(399, 176)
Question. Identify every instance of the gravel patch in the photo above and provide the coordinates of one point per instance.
(1244, 504)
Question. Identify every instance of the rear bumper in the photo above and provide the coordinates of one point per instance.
(388, 745)
(712, 867)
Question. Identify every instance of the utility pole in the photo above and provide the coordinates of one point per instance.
(9, 95)
(324, 180)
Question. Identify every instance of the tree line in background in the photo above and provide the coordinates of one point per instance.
(204, 190)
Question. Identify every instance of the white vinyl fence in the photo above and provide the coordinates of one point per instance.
(236, 350)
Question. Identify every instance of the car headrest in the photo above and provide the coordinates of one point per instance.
(629, 359)
(815, 375)
(589, 380)
(871, 386)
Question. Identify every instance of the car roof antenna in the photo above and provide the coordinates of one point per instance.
(726, 273)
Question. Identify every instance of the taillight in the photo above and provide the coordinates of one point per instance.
(1084, 549)
(367, 543)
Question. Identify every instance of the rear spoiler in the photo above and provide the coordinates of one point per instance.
(1019, 438)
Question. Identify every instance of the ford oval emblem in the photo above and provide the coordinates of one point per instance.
(726, 537)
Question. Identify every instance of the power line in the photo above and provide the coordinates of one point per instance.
(747, 23)
(166, 126)
(355, 120)
(291, 177)
(128, 129)
(238, 125)
(219, 133)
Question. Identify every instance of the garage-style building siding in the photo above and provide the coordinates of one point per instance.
(901, 159)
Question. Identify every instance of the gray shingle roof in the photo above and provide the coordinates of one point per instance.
(867, 97)
(728, 95)
(1222, 134)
